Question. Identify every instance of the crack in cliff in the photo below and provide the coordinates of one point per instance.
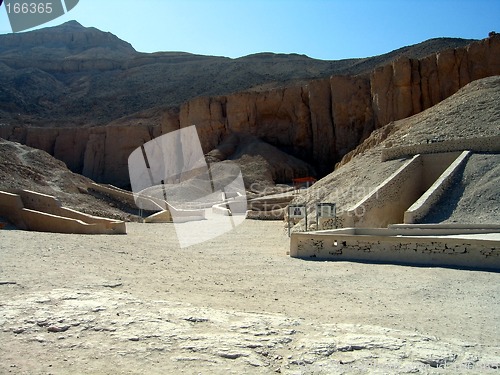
(330, 112)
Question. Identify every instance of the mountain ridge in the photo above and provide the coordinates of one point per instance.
(70, 35)
(103, 78)
(93, 113)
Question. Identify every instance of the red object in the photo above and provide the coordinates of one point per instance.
(308, 181)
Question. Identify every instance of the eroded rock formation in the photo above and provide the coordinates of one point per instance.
(321, 121)
(318, 122)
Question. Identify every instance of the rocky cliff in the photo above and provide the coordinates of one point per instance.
(323, 120)
(318, 122)
(101, 152)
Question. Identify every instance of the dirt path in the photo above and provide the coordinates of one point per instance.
(236, 304)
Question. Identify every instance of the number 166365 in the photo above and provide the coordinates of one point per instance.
(25, 8)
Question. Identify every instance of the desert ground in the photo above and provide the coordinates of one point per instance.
(238, 304)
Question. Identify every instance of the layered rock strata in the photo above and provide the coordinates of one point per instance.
(318, 122)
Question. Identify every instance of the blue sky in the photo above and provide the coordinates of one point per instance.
(324, 29)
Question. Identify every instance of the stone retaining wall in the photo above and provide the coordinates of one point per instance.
(386, 204)
(388, 246)
(425, 203)
(416, 187)
(29, 210)
(479, 144)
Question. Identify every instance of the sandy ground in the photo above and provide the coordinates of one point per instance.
(138, 304)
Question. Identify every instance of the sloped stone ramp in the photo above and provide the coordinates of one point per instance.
(29, 210)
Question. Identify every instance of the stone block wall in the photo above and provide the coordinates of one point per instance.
(387, 246)
(478, 144)
(408, 194)
(425, 203)
(29, 210)
(10, 208)
(387, 204)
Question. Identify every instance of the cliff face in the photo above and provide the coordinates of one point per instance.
(321, 121)
(318, 122)
(410, 86)
(101, 152)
